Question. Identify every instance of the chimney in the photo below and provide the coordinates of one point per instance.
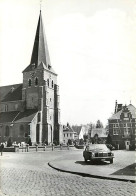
(116, 106)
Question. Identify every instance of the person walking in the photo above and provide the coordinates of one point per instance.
(1, 148)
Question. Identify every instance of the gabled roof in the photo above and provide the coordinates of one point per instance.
(8, 117)
(11, 93)
(77, 128)
(68, 129)
(40, 53)
(100, 131)
(130, 107)
(116, 115)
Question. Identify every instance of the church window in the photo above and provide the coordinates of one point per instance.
(52, 84)
(36, 81)
(26, 134)
(48, 82)
(39, 117)
(6, 108)
(67, 134)
(21, 131)
(50, 99)
(7, 131)
(29, 82)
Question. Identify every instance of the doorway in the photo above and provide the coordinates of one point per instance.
(127, 143)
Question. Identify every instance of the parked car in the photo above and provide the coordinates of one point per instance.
(97, 152)
(110, 147)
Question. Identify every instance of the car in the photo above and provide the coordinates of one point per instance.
(110, 147)
(98, 152)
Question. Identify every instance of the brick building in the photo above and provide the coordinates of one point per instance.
(122, 126)
(31, 109)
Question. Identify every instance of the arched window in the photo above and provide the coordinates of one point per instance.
(29, 82)
(48, 82)
(21, 131)
(7, 131)
(36, 81)
(52, 84)
(39, 117)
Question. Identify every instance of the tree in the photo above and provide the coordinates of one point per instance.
(81, 142)
(99, 124)
(85, 137)
(69, 141)
(91, 125)
(109, 139)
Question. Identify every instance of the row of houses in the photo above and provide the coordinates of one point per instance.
(121, 128)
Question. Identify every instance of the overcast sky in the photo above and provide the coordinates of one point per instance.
(92, 46)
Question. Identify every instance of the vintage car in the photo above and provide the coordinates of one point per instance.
(97, 152)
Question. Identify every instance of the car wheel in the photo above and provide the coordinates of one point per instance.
(111, 161)
(85, 160)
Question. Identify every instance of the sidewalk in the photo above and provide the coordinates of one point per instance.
(123, 167)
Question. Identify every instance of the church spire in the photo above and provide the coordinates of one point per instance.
(40, 51)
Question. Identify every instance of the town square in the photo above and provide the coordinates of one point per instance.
(67, 97)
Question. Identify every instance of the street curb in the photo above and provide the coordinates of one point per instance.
(90, 175)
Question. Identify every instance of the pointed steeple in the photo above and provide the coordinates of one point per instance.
(40, 54)
(40, 49)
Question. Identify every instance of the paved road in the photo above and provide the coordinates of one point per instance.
(74, 162)
(28, 174)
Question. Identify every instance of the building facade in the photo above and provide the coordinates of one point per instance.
(122, 126)
(31, 109)
(68, 134)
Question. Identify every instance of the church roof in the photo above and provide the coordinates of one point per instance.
(8, 117)
(26, 116)
(40, 51)
(11, 93)
(17, 117)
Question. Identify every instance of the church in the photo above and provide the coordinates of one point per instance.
(31, 110)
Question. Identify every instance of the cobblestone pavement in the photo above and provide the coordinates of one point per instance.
(28, 174)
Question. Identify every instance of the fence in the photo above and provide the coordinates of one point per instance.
(27, 148)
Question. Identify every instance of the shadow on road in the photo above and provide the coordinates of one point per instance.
(127, 171)
(92, 163)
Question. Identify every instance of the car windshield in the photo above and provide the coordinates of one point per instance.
(97, 146)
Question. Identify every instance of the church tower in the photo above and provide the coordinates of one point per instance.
(40, 90)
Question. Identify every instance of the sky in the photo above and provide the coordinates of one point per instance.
(92, 47)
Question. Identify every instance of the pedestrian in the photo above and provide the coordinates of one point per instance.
(1, 148)
(68, 145)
